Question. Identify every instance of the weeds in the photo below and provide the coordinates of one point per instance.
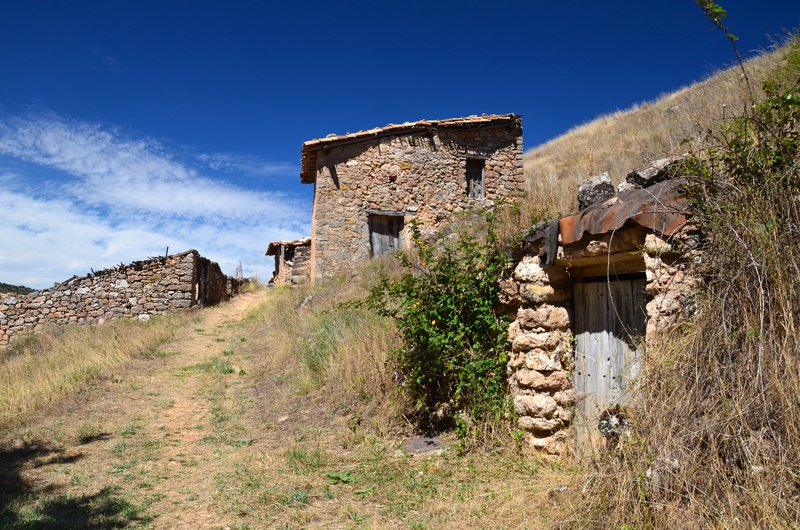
(453, 355)
(717, 442)
(60, 361)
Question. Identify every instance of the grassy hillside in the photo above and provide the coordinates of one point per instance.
(622, 141)
(17, 289)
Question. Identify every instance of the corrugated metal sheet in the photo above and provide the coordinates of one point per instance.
(662, 208)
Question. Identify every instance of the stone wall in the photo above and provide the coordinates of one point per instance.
(541, 299)
(420, 176)
(293, 271)
(140, 289)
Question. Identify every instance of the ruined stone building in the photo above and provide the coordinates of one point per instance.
(291, 261)
(592, 290)
(369, 185)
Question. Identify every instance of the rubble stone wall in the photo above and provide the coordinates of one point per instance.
(294, 271)
(419, 176)
(149, 287)
(542, 358)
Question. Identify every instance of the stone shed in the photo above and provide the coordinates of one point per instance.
(592, 290)
(369, 185)
(291, 261)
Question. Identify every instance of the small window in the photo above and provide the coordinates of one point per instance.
(385, 234)
(475, 184)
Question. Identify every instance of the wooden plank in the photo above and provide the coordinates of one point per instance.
(610, 318)
(580, 378)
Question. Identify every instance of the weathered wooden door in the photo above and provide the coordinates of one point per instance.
(384, 233)
(610, 322)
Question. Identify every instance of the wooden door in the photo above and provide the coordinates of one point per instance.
(610, 322)
(384, 233)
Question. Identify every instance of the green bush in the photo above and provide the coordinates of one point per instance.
(444, 306)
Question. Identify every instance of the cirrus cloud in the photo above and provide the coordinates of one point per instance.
(79, 195)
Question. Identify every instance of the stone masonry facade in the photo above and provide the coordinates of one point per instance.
(541, 359)
(137, 290)
(415, 172)
(540, 298)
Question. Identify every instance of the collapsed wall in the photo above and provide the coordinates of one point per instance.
(292, 261)
(139, 289)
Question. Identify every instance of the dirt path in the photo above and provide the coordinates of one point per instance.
(147, 447)
(208, 432)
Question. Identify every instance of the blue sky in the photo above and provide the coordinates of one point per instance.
(130, 126)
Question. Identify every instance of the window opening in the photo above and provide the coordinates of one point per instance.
(385, 234)
(475, 178)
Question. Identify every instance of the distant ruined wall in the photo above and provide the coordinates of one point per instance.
(140, 289)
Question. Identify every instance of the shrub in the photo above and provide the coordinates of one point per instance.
(453, 354)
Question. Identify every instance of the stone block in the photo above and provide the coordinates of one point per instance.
(538, 405)
(514, 331)
(543, 318)
(547, 340)
(542, 361)
(548, 381)
(595, 189)
(539, 425)
(566, 397)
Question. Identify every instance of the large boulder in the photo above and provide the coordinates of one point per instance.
(655, 172)
(595, 189)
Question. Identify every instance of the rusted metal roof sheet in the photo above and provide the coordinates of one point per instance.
(662, 208)
(275, 246)
(308, 171)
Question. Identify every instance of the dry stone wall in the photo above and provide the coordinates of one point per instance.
(420, 175)
(140, 289)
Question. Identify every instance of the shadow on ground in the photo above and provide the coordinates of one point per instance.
(26, 503)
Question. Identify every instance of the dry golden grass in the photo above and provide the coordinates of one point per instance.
(333, 348)
(715, 439)
(622, 141)
(44, 367)
(335, 416)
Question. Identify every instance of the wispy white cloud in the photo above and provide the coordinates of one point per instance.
(248, 165)
(120, 198)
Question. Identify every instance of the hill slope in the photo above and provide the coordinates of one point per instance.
(18, 289)
(622, 141)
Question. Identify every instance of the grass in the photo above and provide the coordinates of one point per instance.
(624, 140)
(64, 360)
(293, 444)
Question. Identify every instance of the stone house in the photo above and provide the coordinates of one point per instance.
(592, 290)
(291, 261)
(369, 185)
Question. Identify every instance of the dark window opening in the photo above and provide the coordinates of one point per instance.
(475, 179)
(384, 234)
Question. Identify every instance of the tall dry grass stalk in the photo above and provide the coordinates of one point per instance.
(624, 140)
(62, 360)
